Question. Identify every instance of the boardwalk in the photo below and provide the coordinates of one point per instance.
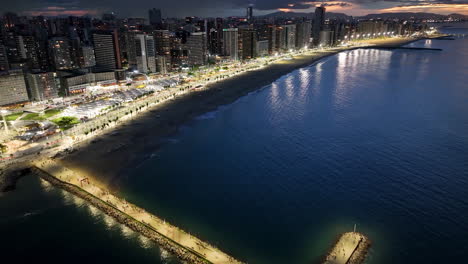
(209, 252)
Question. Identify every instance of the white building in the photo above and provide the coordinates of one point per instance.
(79, 83)
(145, 53)
(231, 43)
(262, 48)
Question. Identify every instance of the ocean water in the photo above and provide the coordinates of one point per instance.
(43, 224)
(375, 138)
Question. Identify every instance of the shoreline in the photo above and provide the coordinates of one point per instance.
(147, 132)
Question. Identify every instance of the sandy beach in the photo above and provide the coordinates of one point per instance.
(145, 133)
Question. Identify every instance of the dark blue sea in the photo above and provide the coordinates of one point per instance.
(375, 138)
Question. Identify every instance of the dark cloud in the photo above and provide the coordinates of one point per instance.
(192, 7)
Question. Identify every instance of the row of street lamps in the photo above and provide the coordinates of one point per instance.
(368, 35)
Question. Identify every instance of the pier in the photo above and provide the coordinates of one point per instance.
(169, 237)
(351, 248)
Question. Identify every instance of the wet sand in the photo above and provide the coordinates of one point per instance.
(144, 134)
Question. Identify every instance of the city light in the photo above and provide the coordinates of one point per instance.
(108, 87)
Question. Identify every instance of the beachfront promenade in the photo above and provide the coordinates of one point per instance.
(183, 239)
(101, 124)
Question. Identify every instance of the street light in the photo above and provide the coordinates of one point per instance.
(4, 112)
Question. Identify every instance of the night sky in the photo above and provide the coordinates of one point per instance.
(222, 8)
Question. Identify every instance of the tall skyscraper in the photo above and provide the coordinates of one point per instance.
(289, 35)
(319, 21)
(280, 43)
(196, 48)
(247, 43)
(272, 39)
(4, 65)
(155, 17)
(249, 13)
(60, 53)
(303, 31)
(145, 53)
(104, 51)
(231, 43)
(162, 43)
(128, 48)
(32, 51)
(107, 51)
(217, 37)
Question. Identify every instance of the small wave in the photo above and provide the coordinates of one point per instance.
(209, 115)
(32, 213)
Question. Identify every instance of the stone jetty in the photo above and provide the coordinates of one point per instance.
(351, 248)
(185, 246)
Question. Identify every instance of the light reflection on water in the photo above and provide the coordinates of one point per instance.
(401, 178)
(366, 137)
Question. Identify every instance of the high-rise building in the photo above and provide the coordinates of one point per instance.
(162, 43)
(280, 44)
(319, 21)
(128, 48)
(326, 38)
(145, 53)
(249, 13)
(216, 37)
(4, 65)
(178, 51)
(303, 31)
(76, 53)
(231, 43)
(161, 64)
(13, 50)
(262, 48)
(289, 36)
(155, 17)
(32, 51)
(60, 53)
(20, 47)
(272, 39)
(107, 51)
(196, 48)
(43, 86)
(12, 88)
(89, 60)
(247, 43)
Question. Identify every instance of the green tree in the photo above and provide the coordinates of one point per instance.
(66, 122)
(3, 148)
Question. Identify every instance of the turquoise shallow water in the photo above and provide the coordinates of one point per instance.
(369, 137)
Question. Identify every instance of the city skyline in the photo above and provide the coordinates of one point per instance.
(213, 8)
